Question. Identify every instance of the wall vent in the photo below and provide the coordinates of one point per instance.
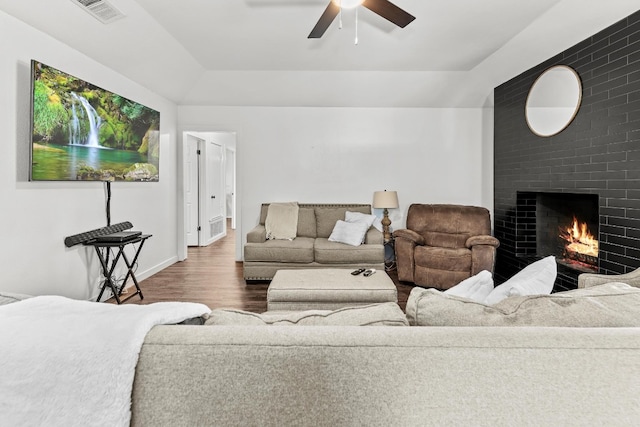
(216, 227)
(102, 10)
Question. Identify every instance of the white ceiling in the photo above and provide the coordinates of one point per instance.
(272, 34)
(256, 52)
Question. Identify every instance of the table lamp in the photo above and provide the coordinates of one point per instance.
(385, 200)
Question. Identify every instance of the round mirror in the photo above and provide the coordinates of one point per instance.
(553, 100)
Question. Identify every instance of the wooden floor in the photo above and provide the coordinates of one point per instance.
(211, 276)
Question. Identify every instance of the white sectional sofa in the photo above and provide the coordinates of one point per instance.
(362, 366)
(263, 372)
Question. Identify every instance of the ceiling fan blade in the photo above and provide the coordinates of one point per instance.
(325, 20)
(389, 11)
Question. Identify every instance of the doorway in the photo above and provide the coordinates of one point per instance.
(208, 160)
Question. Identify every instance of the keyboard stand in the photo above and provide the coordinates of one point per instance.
(103, 250)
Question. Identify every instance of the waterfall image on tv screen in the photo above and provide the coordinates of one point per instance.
(80, 132)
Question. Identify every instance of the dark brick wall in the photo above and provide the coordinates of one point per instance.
(599, 153)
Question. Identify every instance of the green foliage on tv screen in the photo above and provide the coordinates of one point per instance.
(48, 111)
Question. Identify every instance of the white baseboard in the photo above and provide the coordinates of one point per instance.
(157, 268)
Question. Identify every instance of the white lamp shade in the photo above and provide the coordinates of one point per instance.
(385, 199)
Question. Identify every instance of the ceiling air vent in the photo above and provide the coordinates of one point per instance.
(100, 9)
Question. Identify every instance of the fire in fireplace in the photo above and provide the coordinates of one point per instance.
(565, 225)
(581, 247)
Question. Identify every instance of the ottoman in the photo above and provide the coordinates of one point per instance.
(327, 289)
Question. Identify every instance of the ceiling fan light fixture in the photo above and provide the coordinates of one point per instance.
(384, 8)
(347, 4)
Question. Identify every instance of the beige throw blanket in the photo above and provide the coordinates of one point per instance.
(282, 221)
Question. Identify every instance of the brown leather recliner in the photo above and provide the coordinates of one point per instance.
(444, 244)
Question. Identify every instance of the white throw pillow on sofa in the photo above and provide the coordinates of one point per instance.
(350, 233)
(535, 279)
(371, 220)
(476, 288)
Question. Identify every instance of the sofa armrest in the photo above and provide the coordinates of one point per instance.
(482, 240)
(373, 237)
(409, 235)
(257, 235)
(587, 280)
(405, 242)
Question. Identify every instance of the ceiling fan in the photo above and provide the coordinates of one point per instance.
(384, 8)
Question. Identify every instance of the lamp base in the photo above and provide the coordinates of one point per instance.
(386, 222)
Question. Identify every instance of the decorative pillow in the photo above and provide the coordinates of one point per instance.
(475, 288)
(534, 279)
(371, 220)
(609, 305)
(384, 314)
(9, 297)
(282, 221)
(350, 233)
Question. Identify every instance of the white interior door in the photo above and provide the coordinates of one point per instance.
(191, 171)
(212, 195)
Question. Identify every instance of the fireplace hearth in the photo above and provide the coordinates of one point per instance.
(565, 225)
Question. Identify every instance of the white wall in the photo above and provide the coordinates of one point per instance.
(327, 155)
(35, 217)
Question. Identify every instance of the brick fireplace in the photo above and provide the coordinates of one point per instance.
(593, 165)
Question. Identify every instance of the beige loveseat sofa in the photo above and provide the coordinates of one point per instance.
(311, 247)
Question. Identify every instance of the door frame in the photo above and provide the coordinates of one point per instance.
(230, 165)
(191, 177)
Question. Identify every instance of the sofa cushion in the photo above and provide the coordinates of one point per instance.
(326, 217)
(307, 222)
(298, 250)
(306, 219)
(443, 258)
(536, 278)
(349, 233)
(445, 240)
(384, 314)
(609, 305)
(327, 252)
(448, 222)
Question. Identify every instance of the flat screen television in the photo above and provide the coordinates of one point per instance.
(81, 132)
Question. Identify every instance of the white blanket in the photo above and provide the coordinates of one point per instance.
(71, 363)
